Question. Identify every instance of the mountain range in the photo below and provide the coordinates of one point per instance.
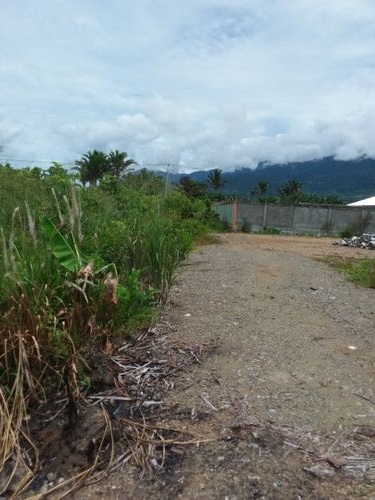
(351, 180)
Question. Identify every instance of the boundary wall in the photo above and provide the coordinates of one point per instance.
(297, 219)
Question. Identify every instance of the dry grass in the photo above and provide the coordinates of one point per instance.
(140, 367)
(17, 451)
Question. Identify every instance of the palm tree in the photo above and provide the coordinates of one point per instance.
(260, 190)
(92, 167)
(215, 179)
(119, 163)
(263, 187)
(291, 192)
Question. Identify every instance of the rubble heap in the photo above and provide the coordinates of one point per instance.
(366, 240)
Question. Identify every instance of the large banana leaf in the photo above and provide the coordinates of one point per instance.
(67, 255)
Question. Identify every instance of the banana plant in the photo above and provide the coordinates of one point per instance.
(68, 255)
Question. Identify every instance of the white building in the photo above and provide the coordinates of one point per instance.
(368, 202)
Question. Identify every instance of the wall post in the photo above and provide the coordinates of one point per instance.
(329, 222)
(265, 215)
(294, 219)
(235, 215)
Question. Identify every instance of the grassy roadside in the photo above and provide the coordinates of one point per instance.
(359, 270)
(81, 268)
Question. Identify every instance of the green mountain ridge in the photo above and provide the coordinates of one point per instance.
(351, 180)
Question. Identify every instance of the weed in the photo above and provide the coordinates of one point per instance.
(270, 230)
(348, 232)
(360, 271)
(357, 227)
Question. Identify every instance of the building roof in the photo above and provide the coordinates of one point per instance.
(361, 203)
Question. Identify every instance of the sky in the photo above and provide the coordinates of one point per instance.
(196, 84)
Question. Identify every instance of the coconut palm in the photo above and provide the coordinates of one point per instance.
(119, 163)
(263, 187)
(92, 167)
(215, 179)
(290, 192)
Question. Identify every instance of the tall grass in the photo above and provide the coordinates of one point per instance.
(150, 234)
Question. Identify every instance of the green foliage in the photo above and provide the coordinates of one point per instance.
(261, 191)
(80, 264)
(320, 199)
(357, 226)
(215, 179)
(93, 166)
(350, 180)
(360, 271)
(146, 181)
(119, 163)
(167, 245)
(363, 272)
(348, 232)
(270, 230)
(290, 192)
(191, 188)
(137, 301)
(267, 199)
(67, 254)
(196, 210)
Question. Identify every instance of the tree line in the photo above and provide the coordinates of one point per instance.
(95, 166)
(289, 193)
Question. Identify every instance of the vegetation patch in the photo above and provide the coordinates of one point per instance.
(359, 270)
(86, 259)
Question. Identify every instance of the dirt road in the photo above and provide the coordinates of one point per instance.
(290, 388)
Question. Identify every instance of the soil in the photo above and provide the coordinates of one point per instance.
(288, 395)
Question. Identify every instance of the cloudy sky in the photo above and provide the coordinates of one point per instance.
(198, 83)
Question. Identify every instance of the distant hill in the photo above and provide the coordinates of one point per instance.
(351, 180)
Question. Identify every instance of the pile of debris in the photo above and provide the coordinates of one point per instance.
(366, 240)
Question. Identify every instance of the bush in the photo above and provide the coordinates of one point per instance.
(61, 252)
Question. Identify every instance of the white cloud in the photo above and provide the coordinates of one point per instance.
(202, 83)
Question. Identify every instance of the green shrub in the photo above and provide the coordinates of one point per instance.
(79, 266)
(348, 232)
